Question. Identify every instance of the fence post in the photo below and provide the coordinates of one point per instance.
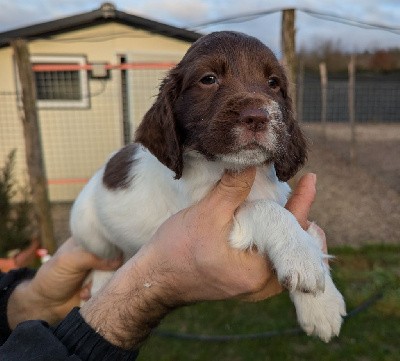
(33, 146)
(289, 51)
(300, 92)
(352, 114)
(324, 88)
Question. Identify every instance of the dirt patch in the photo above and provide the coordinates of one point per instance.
(357, 204)
(377, 149)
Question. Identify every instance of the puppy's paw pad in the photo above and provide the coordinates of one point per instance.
(320, 315)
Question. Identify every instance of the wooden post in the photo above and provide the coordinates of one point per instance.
(352, 115)
(300, 92)
(33, 146)
(324, 89)
(289, 51)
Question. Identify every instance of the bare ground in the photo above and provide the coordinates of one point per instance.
(356, 204)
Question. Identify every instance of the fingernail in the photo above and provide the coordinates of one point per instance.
(314, 178)
(84, 294)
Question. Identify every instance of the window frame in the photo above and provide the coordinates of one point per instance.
(82, 103)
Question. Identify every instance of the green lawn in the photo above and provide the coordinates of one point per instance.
(373, 334)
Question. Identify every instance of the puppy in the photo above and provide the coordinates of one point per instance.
(224, 106)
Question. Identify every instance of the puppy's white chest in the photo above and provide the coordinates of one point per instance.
(267, 186)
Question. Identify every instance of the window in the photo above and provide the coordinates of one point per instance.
(57, 85)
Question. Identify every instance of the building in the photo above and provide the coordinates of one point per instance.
(96, 75)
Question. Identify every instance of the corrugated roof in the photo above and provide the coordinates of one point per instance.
(106, 13)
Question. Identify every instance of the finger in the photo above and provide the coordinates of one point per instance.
(75, 258)
(85, 293)
(232, 190)
(319, 235)
(90, 261)
(303, 196)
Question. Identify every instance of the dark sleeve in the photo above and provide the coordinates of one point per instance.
(8, 282)
(73, 339)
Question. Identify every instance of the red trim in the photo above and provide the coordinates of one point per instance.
(125, 66)
(67, 181)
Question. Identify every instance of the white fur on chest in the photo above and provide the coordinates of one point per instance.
(127, 218)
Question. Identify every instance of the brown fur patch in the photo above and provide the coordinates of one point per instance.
(117, 174)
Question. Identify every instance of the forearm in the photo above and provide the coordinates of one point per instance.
(132, 303)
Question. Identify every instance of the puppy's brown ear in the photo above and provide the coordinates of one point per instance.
(158, 132)
(293, 154)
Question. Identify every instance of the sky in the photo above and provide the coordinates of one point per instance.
(311, 31)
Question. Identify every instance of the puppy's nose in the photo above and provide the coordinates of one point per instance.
(255, 119)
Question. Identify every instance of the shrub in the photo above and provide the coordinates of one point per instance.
(15, 217)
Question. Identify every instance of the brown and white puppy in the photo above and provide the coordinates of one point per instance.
(224, 106)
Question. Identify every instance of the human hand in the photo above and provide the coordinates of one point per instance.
(213, 270)
(57, 286)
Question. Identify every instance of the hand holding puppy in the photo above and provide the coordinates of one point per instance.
(189, 259)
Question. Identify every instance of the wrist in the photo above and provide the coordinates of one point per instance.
(82, 341)
(126, 310)
(21, 305)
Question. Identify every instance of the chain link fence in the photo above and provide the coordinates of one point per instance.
(85, 114)
(376, 98)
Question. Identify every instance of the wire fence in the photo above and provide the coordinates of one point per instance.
(376, 98)
(84, 113)
(87, 111)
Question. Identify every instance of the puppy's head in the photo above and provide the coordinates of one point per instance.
(227, 100)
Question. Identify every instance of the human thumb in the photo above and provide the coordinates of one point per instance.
(302, 198)
(232, 190)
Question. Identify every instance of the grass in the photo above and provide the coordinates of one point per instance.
(372, 334)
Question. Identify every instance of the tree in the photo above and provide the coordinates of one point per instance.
(382, 60)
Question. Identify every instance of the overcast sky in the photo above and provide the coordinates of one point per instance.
(186, 13)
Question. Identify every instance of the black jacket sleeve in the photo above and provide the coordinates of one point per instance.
(8, 282)
(72, 339)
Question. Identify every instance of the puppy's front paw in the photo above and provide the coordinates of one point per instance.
(301, 267)
(322, 314)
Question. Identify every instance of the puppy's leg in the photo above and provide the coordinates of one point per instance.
(87, 231)
(322, 314)
(296, 257)
(298, 260)
(96, 279)
(99, 279)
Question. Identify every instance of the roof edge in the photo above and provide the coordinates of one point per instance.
(106, 13)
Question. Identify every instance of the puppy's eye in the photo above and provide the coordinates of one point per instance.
(208, 79)
(273, 83)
